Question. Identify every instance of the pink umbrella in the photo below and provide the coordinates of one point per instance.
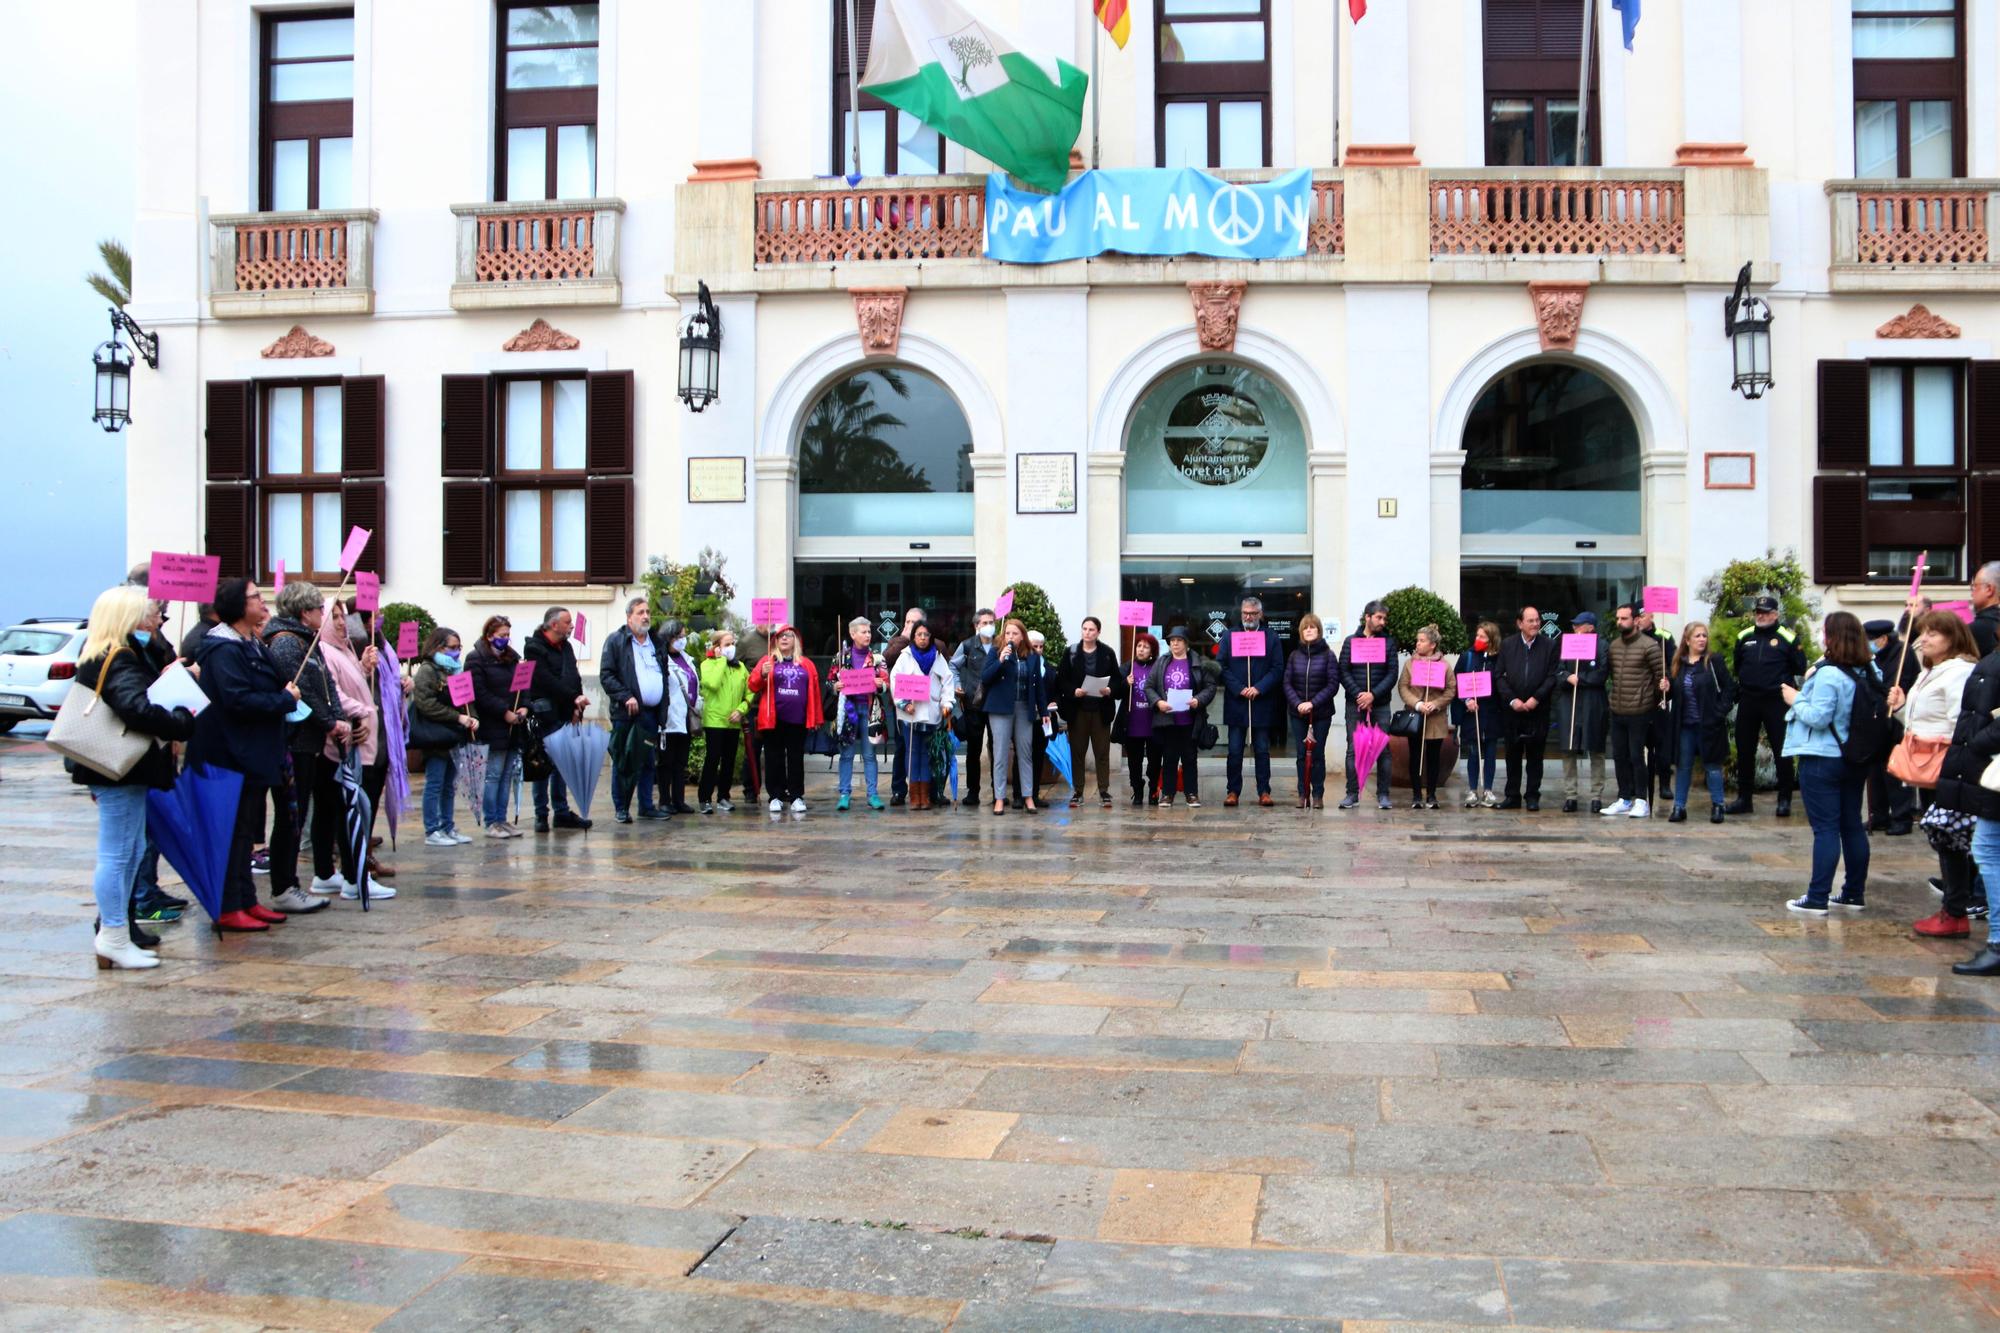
(1369, 742)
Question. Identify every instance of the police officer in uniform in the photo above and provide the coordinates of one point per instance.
(1768, 656)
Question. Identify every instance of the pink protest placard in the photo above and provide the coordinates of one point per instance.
(1475, 684)
(1428, 675)
(458, 688)
(357, 542)
(1365, 650)
(524, 676)
(367, 591)
(1137, 615)
(1661, 601)
(767, 610)
(579, 633)
(857, 680)
(1917, 575)
(183, 578)
(406, 639)
(1246, 643)
(1579, 648)
(1963, 610)
(1003, 604)
(910, 688)
(278, 583)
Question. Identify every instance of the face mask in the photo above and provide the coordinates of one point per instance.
(680, 645)
(446, 661)
(500, 642)
(729, 652)
(1480, 643)
(144, 636)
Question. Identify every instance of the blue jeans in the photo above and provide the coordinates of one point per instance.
(1480, 757)
(121, 841)
(1986, 852)
(1260, 743)
(1832, 788)
(551, 791)
(917, 749)
(440, 785)
(499, 783)
(1690, 750)
(1313, 783)
(649, 758)
(859, 742)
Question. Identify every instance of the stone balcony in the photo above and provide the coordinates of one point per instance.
(1915, 236)
(543, 252)
(268, 264)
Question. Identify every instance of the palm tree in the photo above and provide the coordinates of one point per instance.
(842, 448)
(115, 284)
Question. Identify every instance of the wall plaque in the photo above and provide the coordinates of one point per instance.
(716, 481)
(1045, 483)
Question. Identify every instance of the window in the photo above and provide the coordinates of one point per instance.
(1909, 459)
(1212, 84)
(1215, 449)
(538, 478)
(893, 143)
(1532, 49)
(546, 143)
(292, 466)
(306, 148)
(1551, 449)
(1909, 80)
(885, 452)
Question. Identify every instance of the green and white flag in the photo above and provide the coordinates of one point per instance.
(954, 72)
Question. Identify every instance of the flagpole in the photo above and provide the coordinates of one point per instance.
(1095, 30)
(1582, 80)
(853, 94)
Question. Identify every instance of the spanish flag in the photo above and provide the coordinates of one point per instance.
(1116, 16)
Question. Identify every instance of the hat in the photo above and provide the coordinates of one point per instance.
(1879, 629)
(1585, 618)
(1178, 632)
(1765, 603)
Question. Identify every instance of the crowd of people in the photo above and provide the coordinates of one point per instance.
(308, 696)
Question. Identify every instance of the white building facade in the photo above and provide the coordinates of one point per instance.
(420, 267)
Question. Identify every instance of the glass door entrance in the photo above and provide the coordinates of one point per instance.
(1496, 587)
(831, 593)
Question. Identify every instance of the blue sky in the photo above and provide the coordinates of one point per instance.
(71, 175)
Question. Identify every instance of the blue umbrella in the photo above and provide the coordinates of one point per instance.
(192, 825)
(1057, 753)
(578, 751)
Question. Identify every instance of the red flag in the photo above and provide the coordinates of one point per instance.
(1356, 8)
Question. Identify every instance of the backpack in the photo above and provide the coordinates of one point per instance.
(1868, 741)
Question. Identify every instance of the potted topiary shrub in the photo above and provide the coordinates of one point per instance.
(1410, 609)
(1033, 608)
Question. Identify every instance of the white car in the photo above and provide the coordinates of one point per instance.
(37, 664)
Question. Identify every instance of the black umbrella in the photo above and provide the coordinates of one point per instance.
(359, 815)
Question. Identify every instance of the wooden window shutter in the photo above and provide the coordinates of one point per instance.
(466, 447)
(1982, 417)
(364, 504)
(607, 530)
(229, 528)
(1840, 529)
(363, 426)
(468, 532)
(1509, 30)
(607, 443)
(1984, 521)
(864, 28)
(1843, 416)
(231, 430)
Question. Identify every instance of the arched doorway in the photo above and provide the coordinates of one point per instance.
(1551, 499)
(885, 505)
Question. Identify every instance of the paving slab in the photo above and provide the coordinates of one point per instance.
(882, 1260)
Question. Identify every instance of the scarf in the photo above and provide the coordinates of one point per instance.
(350, 683)
(926, 657)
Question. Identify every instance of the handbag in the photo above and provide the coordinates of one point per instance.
(1205, 736)
(97, 737)
(1947, 830)
(427, 734)
(1918, 760)
(1407, 723)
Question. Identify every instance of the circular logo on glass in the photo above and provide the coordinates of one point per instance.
(1216, 437)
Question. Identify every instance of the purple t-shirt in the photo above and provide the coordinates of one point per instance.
(791, 680)
(1180, 676)
(1139, 719)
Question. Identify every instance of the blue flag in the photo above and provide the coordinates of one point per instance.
(1629, 10)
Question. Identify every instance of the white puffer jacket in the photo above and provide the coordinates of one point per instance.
(1933, 705)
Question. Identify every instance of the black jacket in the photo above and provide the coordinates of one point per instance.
(1527, 671)
(289, 642)
(557, 684)
(1312, 675)
(1470, 737)
(1368, 677)
(1985, 629)
(1891, 657)
(1587, 699)
(191, 641)
(244, 728)
(1076, 664)
(123, 690)
(1714, 696)
(1205, 679)
(1766, 659)
(493, 692)
(1973, 744)
(618, 674)
(969, 664)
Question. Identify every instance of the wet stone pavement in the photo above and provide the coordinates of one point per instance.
(1250, 1070)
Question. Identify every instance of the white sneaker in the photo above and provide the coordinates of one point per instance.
(326, 888)
(1491, 799)
(1471, 799)
(777, 806)
(498, 831)
(798, 806)
(724, 806)
(438, 839)
(299, 902)
(376, 891)
(456, 836)
(1639, 810)
(1621, 806)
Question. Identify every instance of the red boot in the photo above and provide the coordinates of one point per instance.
(268, 915)
(240, 921)
(1943, 926)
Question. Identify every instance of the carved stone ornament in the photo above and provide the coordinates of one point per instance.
(541, 336)
(297, 343)
(1919, 323)
(1217, 307)
(878, 314)
(1558, 313)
